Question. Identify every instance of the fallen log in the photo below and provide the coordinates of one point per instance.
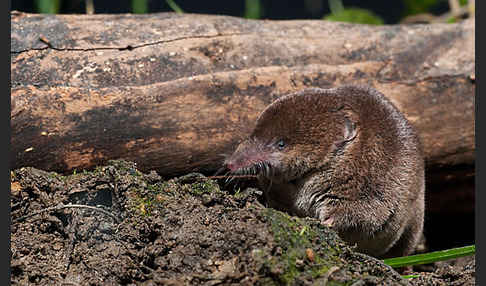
(175, 92)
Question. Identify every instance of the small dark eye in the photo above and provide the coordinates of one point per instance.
(280, 144)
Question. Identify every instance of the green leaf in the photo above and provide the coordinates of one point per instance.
(355, 15)
(139, 6)
(174, 6)
(430, 257)
(253, 9)
(48, 6)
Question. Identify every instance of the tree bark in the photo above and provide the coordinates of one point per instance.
(174, 93)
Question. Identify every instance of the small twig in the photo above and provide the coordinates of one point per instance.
(60, 207)
(462, 11)
(89, 7)
(455, 7)
(328, 274)
(471, 6)
(45, 41)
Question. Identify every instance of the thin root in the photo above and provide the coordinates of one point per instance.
(59, 207)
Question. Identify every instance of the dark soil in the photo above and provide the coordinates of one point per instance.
(144, 230)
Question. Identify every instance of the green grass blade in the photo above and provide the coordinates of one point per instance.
(431, 256)
(174, 6)
(335, 6)
(139, 6)
(410, 276)
(253, 9)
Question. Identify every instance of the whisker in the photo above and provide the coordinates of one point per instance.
(232, 176)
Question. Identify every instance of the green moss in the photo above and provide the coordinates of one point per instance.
(145, 206)
(125, 167)
(204, 187)
(54, 175)
(304, 249)
(144, 200)
(155, 188)
(355, 15)
(166, 187)
(99, 170)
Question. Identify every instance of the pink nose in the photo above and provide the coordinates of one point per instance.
(230, 166)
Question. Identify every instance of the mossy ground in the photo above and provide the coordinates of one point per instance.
(183, 231)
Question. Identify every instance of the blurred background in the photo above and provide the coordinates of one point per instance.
(368, 12)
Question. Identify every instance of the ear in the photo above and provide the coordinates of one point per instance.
(349, 129)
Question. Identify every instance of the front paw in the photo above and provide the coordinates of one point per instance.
(329, 221)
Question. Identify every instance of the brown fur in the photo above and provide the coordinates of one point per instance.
(349, 158)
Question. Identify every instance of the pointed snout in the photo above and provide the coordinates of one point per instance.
(247, 154)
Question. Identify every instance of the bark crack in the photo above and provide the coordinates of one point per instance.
(123, 48)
